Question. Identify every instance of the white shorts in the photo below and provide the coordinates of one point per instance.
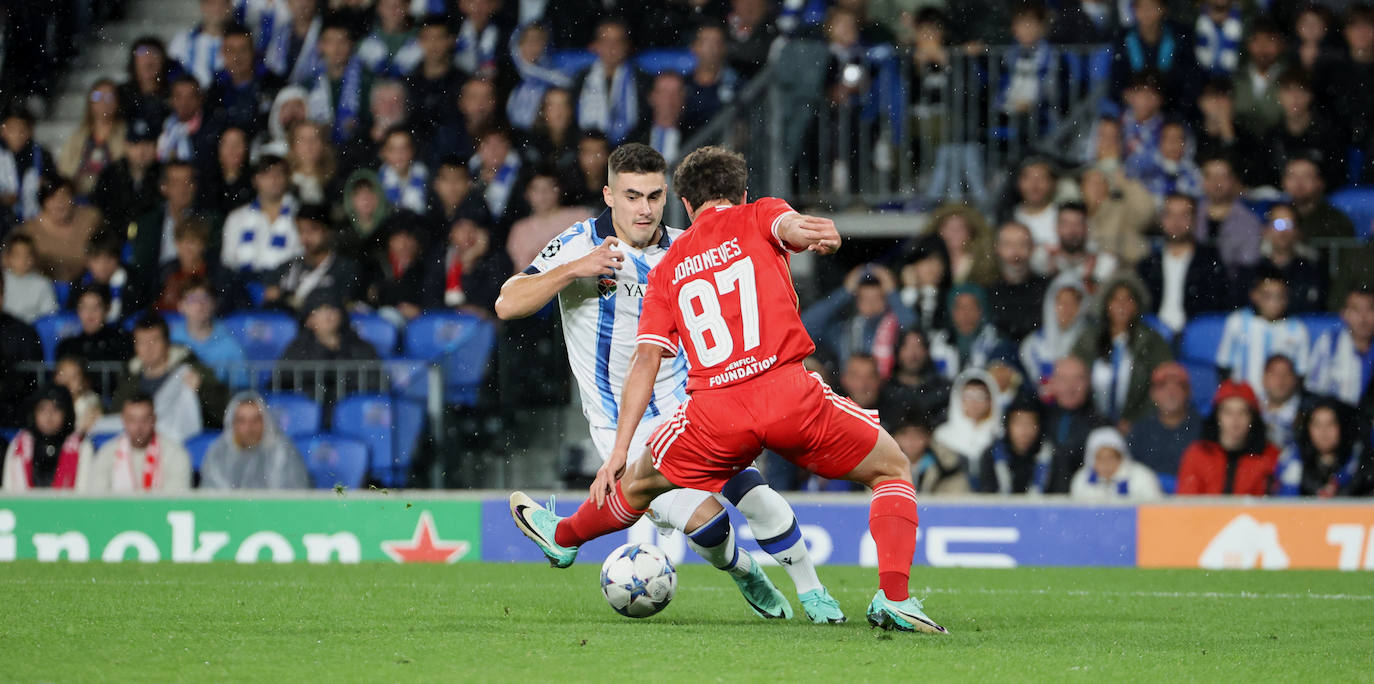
(670, 510)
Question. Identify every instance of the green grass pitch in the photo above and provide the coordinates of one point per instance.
(490, 622)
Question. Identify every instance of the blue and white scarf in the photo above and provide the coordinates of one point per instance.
(609, 105)
(1028, 75)
(175, 141)
(1218, 45)
(342, 116)
(277, 57)
(23, 185)
(264, 18)
(1001, 465)
(1123, 487)
(522, 108)
(497, 193)
(378, 60)
(472, 52)
(199, 54)
(1338, 369)
(410, 192)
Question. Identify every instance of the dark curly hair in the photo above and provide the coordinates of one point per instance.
(711, 173)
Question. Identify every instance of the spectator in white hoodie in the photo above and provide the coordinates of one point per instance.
(1110, 474)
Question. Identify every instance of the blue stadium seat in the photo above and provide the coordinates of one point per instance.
(390, 427)
(296, 414)
(461, 343)
(376, 331)
(1159, 327)
(409, 378)
(571, 62)
(257, 293)
(334, 460)
(263, 335)
(1201, 337)
(655, 62)
(54, 328)
(1318, 323)
(1203, 379)
(7, 434)
(99, 440)
(1358, 204)
(197, 445)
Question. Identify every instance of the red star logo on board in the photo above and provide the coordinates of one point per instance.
(425, 546)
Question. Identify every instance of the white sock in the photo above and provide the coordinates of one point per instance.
(715, 542)
(775, 527)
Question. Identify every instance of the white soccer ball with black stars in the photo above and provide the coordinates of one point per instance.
(638, 580)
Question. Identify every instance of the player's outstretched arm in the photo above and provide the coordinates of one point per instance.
(524, 294)
(634, 400)
(809, 233)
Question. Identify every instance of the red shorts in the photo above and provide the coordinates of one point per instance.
(717, 433)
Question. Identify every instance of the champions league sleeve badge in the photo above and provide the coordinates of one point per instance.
(552, 248)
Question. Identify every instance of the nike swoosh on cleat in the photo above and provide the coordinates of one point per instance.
(763, 612)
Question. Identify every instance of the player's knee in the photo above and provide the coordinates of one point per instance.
(742, 483)
(707, 514)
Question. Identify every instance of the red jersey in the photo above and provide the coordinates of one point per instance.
(724, 292)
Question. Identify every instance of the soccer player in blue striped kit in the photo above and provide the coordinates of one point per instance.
(599, 270)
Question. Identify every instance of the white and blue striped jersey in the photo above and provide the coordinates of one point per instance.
(1248, 340)
(198, 53)
(601, 321)
(1339, 369)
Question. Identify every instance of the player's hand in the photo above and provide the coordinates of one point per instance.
(605, 258)
(819, 234)
(606, 477)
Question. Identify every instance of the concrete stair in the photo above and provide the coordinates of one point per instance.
(105, 54)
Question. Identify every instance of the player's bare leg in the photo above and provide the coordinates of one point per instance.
(892, 521)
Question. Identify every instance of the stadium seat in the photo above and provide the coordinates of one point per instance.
(376, 331)
(1202, 377)
(1318, 323)
(1201, 337)
(334, 460)
(296, 414)
(654, 62)
(1358, 204)
(571, 62)
(54, 328)
(408, 378)
(461, 343)
(263, 335)
(197, 445)
(7, 434)
(390, 427)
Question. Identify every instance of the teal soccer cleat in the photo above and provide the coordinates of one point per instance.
(903, 616)
(764, 598)
(539, 523)
(821, 608)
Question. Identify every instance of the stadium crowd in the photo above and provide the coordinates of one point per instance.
(399, 157)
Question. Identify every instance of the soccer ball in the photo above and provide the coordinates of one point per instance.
(638, 580)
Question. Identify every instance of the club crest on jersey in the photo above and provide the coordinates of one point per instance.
(606, 285)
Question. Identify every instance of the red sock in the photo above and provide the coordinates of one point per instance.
(892, 521)
(590, 522)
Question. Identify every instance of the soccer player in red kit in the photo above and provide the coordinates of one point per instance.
(724, 295)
